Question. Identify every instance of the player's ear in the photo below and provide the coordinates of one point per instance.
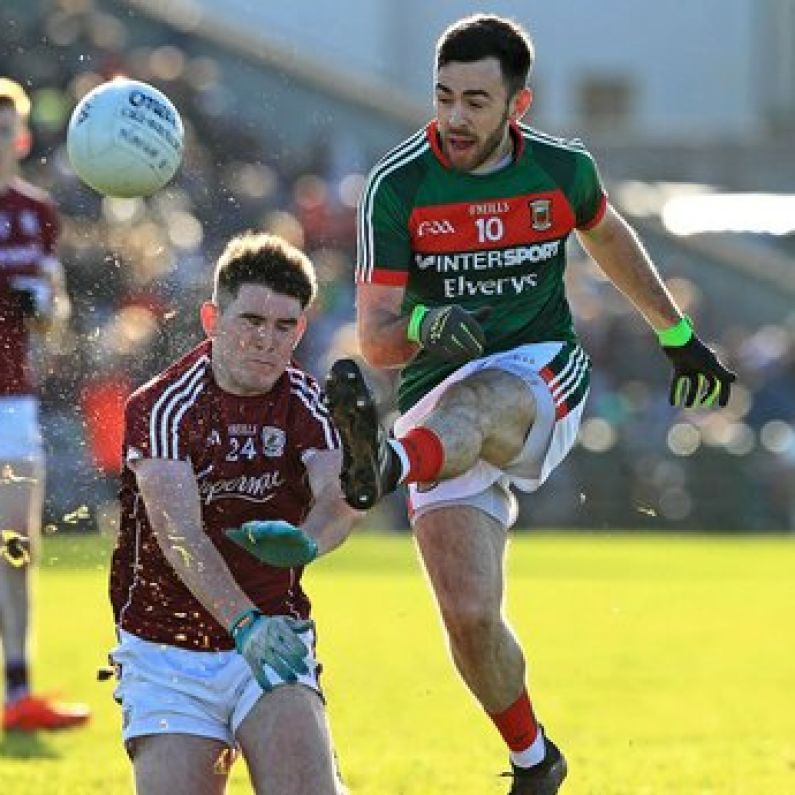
(209, 317)
(521, 102)
(23, 142)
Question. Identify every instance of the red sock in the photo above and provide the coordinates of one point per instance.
(425, 454)
(517, 724)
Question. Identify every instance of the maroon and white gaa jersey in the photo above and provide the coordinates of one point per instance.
(248, 455)
(28, 238)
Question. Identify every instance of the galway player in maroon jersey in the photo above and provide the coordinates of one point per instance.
(462, 238)
(216, 648)
(32, 301)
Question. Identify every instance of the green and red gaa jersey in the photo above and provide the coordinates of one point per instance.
(497, 240)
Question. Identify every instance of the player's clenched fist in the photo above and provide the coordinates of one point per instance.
(448, 332)
(699, 379)
(272, 641)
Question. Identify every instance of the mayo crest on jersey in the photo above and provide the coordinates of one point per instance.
(496, 240)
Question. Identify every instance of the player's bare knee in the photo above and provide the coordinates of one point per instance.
(456, 420)
(505, 409)
(468, 622)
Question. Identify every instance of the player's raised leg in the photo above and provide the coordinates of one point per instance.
(485, 415)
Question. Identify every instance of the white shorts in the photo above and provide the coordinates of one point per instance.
(20, 436)
(167, 690)
(557, 374)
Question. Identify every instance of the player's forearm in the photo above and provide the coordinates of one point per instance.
(329, 523)
(619, 253)
(382, 338)
(201, 568)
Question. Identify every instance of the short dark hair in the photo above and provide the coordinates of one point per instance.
(269, 260)
(488, 36)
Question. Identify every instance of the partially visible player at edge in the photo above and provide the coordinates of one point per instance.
(462, 241)
(33, 301)
(216, 648)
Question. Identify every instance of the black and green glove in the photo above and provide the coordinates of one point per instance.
(448, 332)
(699, 379)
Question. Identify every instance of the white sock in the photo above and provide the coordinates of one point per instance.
(401, 454)
(531, 755)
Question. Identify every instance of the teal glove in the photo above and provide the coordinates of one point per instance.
(271, 641)
(276, 542)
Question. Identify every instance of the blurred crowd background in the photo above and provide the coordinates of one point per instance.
(138, 269)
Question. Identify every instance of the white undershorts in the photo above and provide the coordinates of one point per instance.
(20, 436)
(168, 690)
(485, 486)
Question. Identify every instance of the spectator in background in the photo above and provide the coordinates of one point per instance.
(32, 301)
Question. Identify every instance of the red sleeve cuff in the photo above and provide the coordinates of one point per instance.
(386, 277)
(597, 216)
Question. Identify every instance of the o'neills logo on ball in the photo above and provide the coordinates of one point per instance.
(139, 99)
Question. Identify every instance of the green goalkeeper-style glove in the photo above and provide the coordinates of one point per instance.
(272, 641)
(699, 379)
(448, 332)
(275, 542)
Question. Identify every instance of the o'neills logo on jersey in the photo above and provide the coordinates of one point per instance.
(251, 489)
(273, 441)
(489, 208)
(443, 227)
(540, 214)
(487, 260)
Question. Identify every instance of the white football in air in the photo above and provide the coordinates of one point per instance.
(125, 139)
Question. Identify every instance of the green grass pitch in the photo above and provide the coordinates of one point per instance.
(662, 665)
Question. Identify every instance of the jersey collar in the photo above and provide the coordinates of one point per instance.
(432, 134)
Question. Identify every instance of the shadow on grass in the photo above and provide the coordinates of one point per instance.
(20, 745)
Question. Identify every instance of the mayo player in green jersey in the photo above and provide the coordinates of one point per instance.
(462, 236)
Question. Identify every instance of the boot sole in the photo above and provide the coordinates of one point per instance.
(354, 413)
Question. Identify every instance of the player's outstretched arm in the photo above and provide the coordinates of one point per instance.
(275, 542)
(328, 523)
(617, 250)
(699, 378)
(330, 519)
(171, 496)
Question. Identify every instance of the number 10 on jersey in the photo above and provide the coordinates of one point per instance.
(490, 230)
